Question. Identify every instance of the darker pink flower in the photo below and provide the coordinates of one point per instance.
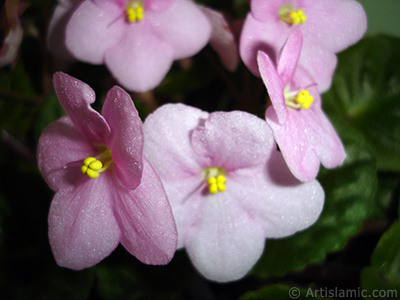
(106, 191)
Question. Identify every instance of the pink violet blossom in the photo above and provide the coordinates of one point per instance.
(137, 40)
(328, 27)
(304, 134)
(228, 187)
(11, 29)
(106, 191)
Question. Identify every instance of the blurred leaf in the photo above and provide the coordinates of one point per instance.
(383, 275)
(366, 95)
(386, 197)
(349, 191)
(281, 292)
(382, 16)
(121, 276)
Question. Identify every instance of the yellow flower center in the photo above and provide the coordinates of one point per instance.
(92, 166)
(289, 15)
(298, 100)
(215, 178)
(134, 11)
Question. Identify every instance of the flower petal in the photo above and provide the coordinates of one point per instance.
(126, 141)
(267, 36)
(75, 97)
(167, 141)
(233, 140)
(334, 24)
(222, 39)
(276, 200)
(294, 144)
(141, 60)
(274, 84)
(224, 244)
(289, 55)
(82, 227)
(159, 5)
(145, 218)
(61, 151)
(184, 27)
(57, 28)
(92, 30)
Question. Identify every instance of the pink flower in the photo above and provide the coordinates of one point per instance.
(106, 191)
(10, 27)
(137, 40)
(228, 187)
(328, 27)
(304, 134)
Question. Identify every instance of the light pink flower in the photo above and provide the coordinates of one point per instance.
(330, 26)
(228, 186)
(137, 40)
(106, 191)
(304, 134)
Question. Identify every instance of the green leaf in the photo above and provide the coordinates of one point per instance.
(386, 197)
(383, 275)
(282, 292)
(365, 94)
(349, 191)
(123, 277)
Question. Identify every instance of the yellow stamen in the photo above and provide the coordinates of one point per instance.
(289, 15)
(134, 11)
(215, 178)
(92, 166)
(304, 99)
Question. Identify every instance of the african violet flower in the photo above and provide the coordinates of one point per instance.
(137, 40)
(11, 31)
(106, 191)
(228, 186)
(328, 27)
(304, 134)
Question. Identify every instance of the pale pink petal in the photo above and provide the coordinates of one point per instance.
(222, 39)
(167, 140)
(267, 36)
(126, 141)
(289, 55)
(91, 31)
(185, 196)
(141, 60)
(224, 244)
(111, 5)
(60, 154)
(159, 5)
(75, 97)
(262, 10)
(274, 84)
(82, 227)
(234, 140)
(146, 221)
(294, 144)
(319, 62)
(336, 24)
(276, 200)
(184, 27)
(57, 29)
